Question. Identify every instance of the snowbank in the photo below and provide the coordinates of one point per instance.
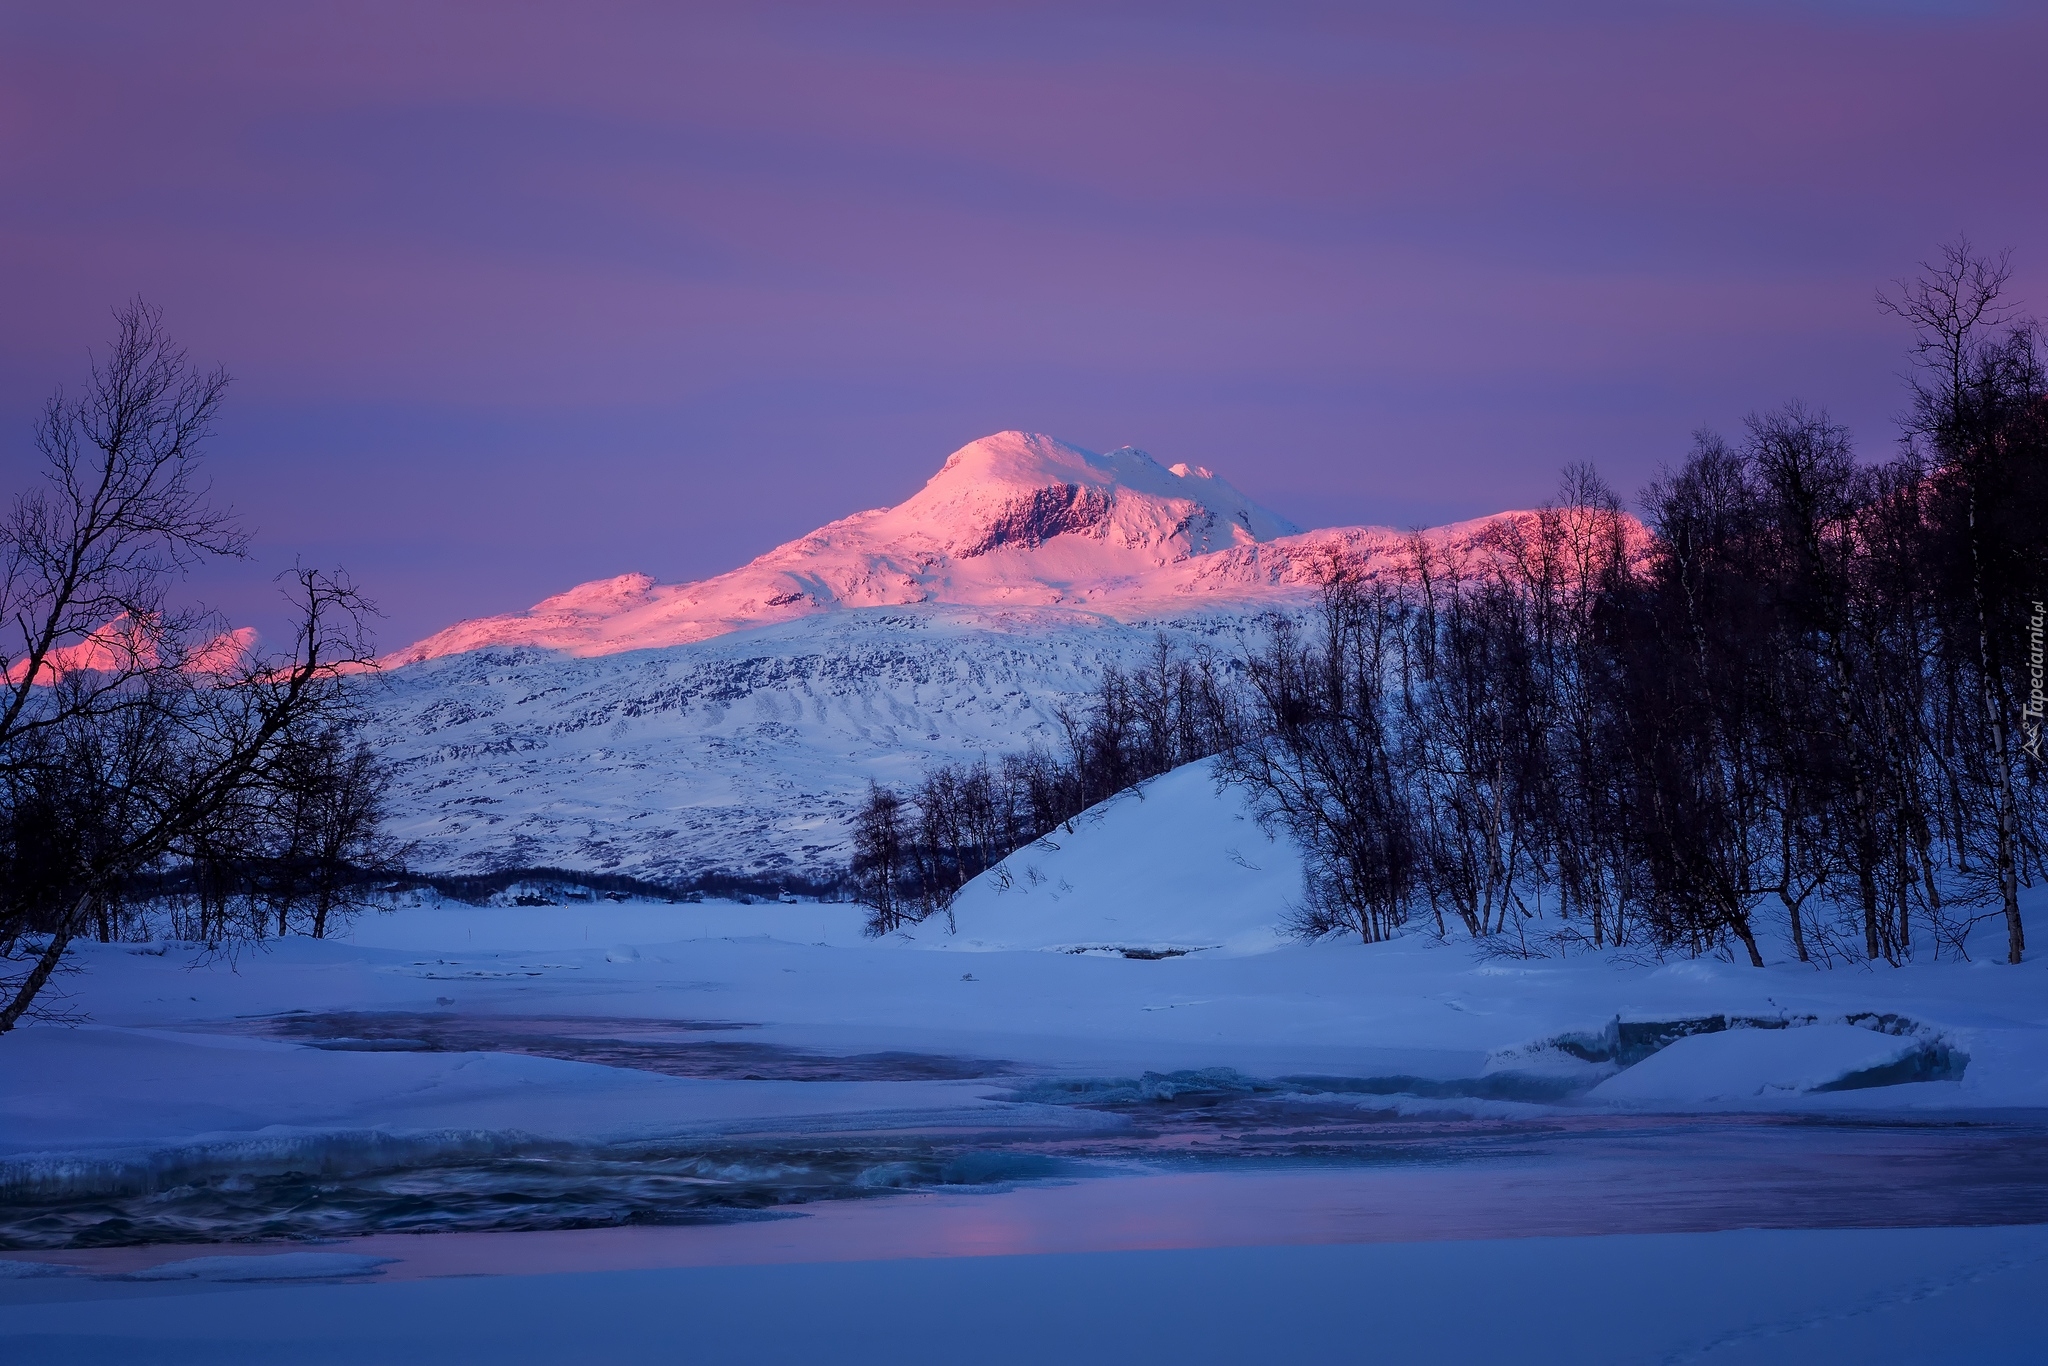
(1748, 1064)
(1178, 866)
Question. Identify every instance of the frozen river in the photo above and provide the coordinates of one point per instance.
(1739, 1241)
(1205, 1167)
(652, 1133)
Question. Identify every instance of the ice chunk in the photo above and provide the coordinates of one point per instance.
(1745, 1064)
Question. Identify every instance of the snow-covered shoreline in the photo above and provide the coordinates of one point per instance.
(1136, 961)
(1134, 966)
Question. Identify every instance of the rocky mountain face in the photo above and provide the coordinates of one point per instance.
(674, 731)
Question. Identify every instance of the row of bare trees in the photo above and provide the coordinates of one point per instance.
(1806, 694)
(150, 760)
(1807, 690)
(1428, 735)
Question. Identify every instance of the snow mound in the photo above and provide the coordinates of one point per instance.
(1748, 1064)
(1175, 867)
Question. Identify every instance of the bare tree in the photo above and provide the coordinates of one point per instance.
(132, 731)
(880, 853)
(1324, 758)
(1978, 400)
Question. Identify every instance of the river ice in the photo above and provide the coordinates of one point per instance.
(1016, 1136)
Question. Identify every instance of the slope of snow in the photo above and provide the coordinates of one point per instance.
(1174, 867)
(745, 752)
(1745, 1064)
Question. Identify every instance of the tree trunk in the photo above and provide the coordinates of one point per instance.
(1748, 938)
(1798, 927)
(2001, 750)
(37, 978)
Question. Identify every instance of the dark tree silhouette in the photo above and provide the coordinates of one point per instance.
(1810, 684)
(138, 739)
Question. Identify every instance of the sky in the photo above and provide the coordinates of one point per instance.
(521, 295)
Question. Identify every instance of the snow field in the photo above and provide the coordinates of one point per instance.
(1178, 868)
(1746, 1297)
(1121, 958)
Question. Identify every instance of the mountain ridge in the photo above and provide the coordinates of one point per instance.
(1012, 519)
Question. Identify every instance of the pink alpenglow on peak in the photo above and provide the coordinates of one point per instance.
(122, 646)
(1013, 520)
(225, 653)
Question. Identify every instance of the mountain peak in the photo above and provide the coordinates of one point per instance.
(1016, 518)
(1022, 489)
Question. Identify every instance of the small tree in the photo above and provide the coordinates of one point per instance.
(880, 857)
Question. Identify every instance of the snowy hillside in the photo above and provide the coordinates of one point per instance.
(667, 731)
(741, 753)
(1176, 866)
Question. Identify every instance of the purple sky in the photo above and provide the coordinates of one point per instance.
(522, 295)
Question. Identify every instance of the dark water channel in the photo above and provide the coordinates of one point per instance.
(674, 1048)
(1477, 1168)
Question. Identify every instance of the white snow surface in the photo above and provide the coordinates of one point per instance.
(670, 730)
(1747, 1064)
(1179, 865)
(154, 1096)
(1014, 519)
(1745, 1297)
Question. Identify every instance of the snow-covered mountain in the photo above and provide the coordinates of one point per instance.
(1013, 519)
(671, 730)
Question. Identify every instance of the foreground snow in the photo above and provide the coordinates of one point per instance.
(1133, 958)
(1866, 1296)
(1144, 940)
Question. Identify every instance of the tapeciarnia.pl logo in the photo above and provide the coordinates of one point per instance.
(2037, 700)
